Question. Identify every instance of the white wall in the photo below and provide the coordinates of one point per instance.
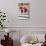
(37, 21)
(37, 16)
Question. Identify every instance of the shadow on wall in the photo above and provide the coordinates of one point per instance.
(16, 43)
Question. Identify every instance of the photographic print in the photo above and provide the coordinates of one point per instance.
(24, 10)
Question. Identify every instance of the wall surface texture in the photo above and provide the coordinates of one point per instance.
(36, 22)
(37, 13)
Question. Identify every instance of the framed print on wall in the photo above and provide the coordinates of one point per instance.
(23, 10)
